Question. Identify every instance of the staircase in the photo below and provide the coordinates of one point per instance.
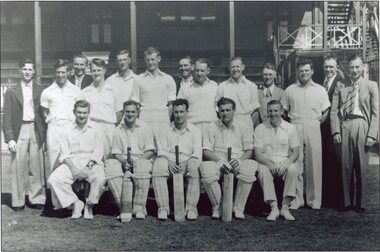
(339, 12)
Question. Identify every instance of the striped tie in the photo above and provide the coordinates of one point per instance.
(326, 84)
(350, 101)
(268, 93)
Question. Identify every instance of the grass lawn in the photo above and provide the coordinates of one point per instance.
(323, 229)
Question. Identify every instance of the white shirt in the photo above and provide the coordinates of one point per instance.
(357, 110)
(78, 80)
(28, 105)
(271, 87)
(123, 85)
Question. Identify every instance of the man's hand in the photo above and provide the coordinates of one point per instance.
(370, 141)
(226, 167)
(90, 164)
(174, 168)
(283, 167)
(274, 168)
(79, 174)
(234, 164)
(337, 139)
(12, 146)
(127, 166)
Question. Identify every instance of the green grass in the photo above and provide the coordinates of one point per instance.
(323, 229)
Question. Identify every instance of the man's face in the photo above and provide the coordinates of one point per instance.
(97, 72)
(329, 68)
(269, 76)
(81, 115)
(304, 73)
(27, 72)
(79, 66)
(236, 69)
(226, 113)
(130, 114)
(61, 75)
(274, 113)
(152, 61)
(123, 61)
(180, 114)
(201, 71)
(185, 68)
(356, 69)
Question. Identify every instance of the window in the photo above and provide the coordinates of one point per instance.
(100, 25)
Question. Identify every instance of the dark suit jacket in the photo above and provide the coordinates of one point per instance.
(13, 113)
(338, 78)
(263, 100)
(86, 81)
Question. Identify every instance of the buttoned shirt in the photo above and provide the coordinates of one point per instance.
(28, 104)
(82, 145)
(244, 94)
(218, 138)
(139, 138)
(60, 101)
(154, 93)
(305, 102)
(105, 102)
(186, 81)
(123, 85)
(329, 82)
(276, 144)
(201, 100)
(357, 110)
(78, 80)
(189, 141)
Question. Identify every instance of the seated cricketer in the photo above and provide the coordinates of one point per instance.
(222, 134)
(276, 150)
(138, 136)
(81, 156)
(189, 140)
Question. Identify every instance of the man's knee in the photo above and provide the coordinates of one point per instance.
(293, 169)
(247, 171)
(263, 170)
(192, 167)
(209, 172)
(143, 169)
(160, 167)
(113, 169)
(100, 176)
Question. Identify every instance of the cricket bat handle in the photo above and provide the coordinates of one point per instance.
(129, 157)
(176, 155)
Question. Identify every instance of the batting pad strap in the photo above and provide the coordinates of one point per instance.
(160, 167)
(142, 169)
(113, 169)
(247, 171)
(209, 172)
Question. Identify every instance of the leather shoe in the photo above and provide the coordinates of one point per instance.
(18, 209)
(37, 206)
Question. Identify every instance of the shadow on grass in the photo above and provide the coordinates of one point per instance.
(6, 199)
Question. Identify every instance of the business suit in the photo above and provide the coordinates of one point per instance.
(86, 81)
(354, 133)
(263, 100)
(29, 137)
(331, 172)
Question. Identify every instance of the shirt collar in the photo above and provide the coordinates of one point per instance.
(331, 79)
(190, 79)
(270, 88)
(269, 125)
(130, 75)
(243, 79)
(30, 84)
(221, 124)
(356, 82)
(137, 124)
(203, 84)
(89, 124)
(312, 83)
(173, 128)
(148, 73)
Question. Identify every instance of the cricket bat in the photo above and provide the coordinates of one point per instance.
(228, 188)
(127, 195)
(179, 199)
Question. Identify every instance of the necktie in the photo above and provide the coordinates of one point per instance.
(326, 84)
(268, 93)
(350, 101)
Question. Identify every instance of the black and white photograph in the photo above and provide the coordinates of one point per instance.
(190, 125)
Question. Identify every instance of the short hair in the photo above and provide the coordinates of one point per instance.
(82, 104)
(61, 63)
(305, 61)
(151, 50)
(22, 63)
(80, 55)
(275, 102)
(330, 57)
(123, 51)
(189, 58)
(98, 62)
(180, 102)
(355, 57)
(224, 101)
(269, 65)
(235, 58)
(130, 103)
(203, 61)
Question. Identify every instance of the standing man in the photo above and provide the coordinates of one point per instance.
(81, 145)
(307, 106)
(189, 140)
(277, 149)
(122, 81)
(332, 195)
(138, 136)
(155, 91)
(243, 92)
(221, 135)
(186, 68)
(106, 107)
(355, 124)
(56, 102)
(268, 91)
(80, 78)
(24, 132)
(200, 93)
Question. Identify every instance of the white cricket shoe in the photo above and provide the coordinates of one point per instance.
(78, 207)
(274, 214)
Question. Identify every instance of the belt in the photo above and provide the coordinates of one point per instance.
(27, 121)
(352, 117)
